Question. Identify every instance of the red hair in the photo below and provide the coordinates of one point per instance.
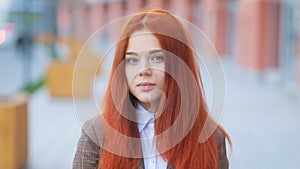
(184, 103)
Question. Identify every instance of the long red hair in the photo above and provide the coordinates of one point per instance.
(184, 103)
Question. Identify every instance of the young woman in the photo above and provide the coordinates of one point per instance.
(154, 113)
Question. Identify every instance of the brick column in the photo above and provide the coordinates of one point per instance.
(80, 14)
(214, 23)
(133, 6)
(64, 18)
(257, 34)
(96, 17)
(155, 4)
(182, 8)
(115, 11)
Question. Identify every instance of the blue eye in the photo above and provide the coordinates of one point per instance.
(131, 60)
(157, 58)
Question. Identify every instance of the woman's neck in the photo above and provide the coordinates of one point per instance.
(152, 108)
(155, 107)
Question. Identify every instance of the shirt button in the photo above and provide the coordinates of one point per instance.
(153, 160)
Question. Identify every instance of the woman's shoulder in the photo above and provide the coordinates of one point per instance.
(219, 134)
(88, 146)
(221, 141)
(92, 130)
(92, 126)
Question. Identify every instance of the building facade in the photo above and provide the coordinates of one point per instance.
(258, 35)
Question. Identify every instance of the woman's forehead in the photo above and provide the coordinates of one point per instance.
(141, 41)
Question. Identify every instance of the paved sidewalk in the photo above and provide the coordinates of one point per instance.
(53, 131)
(263, 122)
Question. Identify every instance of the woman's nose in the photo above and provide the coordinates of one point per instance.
(145, 69)
(146, 72)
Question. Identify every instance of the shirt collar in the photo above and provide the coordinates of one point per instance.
(144, 117)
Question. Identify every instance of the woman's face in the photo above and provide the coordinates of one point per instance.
(145, 68)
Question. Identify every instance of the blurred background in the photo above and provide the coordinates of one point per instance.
(40, 41)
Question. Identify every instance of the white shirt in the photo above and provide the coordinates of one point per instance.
(146, 125)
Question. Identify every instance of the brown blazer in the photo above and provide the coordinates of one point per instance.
(88, 152)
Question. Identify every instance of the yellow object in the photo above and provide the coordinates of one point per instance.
(13, 132)
(59, 78)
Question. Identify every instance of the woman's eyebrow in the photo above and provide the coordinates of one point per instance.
(131, 53)
(149, 52)
(155, 51)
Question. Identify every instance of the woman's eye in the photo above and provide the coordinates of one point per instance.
(157, 58)
(131, 60)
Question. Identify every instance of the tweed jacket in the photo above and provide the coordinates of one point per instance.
(88, 150)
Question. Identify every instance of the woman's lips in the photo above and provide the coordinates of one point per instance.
(146, 86)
